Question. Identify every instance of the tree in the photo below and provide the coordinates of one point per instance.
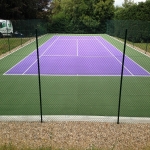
(22, 9)
(138, 11)
(128, 3)
(83, 16)
(135, 18)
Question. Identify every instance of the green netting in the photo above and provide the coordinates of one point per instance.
(138, 31)
(27, 27)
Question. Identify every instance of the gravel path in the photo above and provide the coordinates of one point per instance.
(76, 135)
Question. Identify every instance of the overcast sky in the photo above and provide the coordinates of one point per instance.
(119, 2)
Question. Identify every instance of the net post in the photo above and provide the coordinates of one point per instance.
(39, 79)
(122, 69)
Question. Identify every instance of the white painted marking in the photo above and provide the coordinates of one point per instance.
(23, 59)
(130, 58)
(39, 57)
(20, 48)
(129, 46)
(114, 56)
(66, 75)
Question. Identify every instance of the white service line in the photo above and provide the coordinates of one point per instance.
(39, 57)
(114, 56)
(24, 58)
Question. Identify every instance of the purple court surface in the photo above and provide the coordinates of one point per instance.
(77, 55)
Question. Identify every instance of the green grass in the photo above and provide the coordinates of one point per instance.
(7, 44)
(74, 95)
(144, 46)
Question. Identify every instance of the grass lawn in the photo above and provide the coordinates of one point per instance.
(143, 46)
(7, 44)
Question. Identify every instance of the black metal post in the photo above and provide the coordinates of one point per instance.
(38, 62)
(120, 92)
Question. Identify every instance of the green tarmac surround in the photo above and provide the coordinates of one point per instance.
(74, 95)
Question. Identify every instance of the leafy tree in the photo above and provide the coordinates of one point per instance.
(135, 18)
(138, 11)
(22, 9)
(128, 3)
(82, 16)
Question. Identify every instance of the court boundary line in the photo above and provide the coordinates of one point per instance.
(96, 39)
(128, 56)
(114, 56)
(40, 56)
(128, 45)
(20, 47)
(26, 57)
(58, 75)
(73, 118)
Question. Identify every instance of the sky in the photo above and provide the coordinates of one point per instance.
(119, 2)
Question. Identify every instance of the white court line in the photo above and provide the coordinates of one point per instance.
(129, 46)
(39, 57)
(101, 119)
(74, 75)
(129, 57)
(114, 56)
(21, 47)
(73, 56)
(25, 58)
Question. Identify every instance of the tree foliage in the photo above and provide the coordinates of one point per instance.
(81, 16)
(133, 11)
(22, 9)
(135, 18)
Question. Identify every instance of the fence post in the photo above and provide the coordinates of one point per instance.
(8, 36)
(121, 76)
(146, 46)
(8, 42)
(38, 63)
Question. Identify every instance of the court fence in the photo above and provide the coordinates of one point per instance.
(74, 77)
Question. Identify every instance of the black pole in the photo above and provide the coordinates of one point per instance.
(121, 76)
(39, 79)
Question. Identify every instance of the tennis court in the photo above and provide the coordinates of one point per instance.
(78, 55)
(80, 76)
